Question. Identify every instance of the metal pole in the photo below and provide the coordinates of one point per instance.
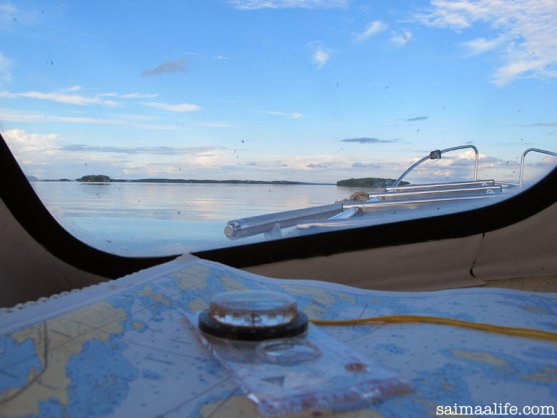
(541, 151)
(436, 155)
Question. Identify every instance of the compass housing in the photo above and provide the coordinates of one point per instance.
(253, 315)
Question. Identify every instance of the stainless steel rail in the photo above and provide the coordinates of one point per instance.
(439, 186)
(266, 223)
(372, 206)
(541, 151)
(363, 206)
(436, 155)
(480, 190)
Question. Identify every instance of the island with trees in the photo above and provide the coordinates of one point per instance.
(94, 178)
(371, 182)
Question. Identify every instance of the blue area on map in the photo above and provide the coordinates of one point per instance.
(100, 377)
(137, 300)
(151, 375)
(391, 348)
(16, 362)
(431, 392)
(50, 409)
(506, 371)
(549, 353)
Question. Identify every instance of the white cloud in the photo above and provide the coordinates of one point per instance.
(76, 99)
(320, 54)
(481, 45)
(142, 122)
(22, 143)
(401, 38)
(372, 29)
(294, 115)
(525, 33)
(288, 4)
(7, 14)
(73, 99)
(5, 68)
(130, 95)
(7, 9)
(180, 107)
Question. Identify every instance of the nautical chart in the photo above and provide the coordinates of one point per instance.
(124, 348)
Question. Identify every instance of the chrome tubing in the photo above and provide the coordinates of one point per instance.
(254, 225)
(541, 151)
(363, 206)
(432, 192)
(436, 155)
(437, 186)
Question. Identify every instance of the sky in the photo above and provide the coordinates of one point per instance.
(304, 90)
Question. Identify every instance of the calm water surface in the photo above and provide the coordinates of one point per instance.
(166, 218)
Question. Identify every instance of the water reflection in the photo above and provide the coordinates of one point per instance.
(168, 218)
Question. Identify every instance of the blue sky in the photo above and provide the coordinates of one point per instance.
(309, 90)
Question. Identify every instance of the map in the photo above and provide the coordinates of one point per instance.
(126, 348)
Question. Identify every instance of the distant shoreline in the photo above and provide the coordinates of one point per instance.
(190, 181)
(367, 182)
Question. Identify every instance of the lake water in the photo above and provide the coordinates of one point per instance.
(165, 218)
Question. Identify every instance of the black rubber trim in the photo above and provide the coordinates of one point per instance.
(477, 221)
(27, 208)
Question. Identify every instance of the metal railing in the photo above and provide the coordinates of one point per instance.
(445, 191)
(440, 186)
(436, 155)
(351, 212)
(541, 151)
(254, 225)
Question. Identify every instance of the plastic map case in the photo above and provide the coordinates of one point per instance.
(314, 372)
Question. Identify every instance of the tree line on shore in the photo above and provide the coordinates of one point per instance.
(372, 182)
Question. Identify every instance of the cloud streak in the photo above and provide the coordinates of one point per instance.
(130, 95)
(294, 115)
(161, 150)
(70, 98)
(524, 33)
(416, 118)
(130, 120)
(167, 67)
(5, 68)
(366, 140)
(319, 165)
(288, 4)
(372, 29)
(179, 107)
(73, 99)
(366, 165)
(550, 124)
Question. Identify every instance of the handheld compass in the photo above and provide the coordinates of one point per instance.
(253, 316)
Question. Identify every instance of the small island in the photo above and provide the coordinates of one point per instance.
(373, 182)
(94, 178)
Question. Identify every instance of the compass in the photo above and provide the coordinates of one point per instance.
(253, 315)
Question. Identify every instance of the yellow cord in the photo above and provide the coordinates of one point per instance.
(399, 319)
